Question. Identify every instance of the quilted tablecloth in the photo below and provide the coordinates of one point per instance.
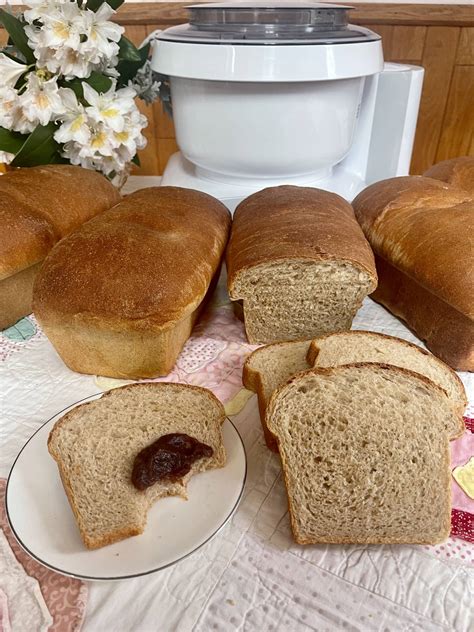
(251, 576)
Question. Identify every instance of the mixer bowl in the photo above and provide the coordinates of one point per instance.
(265, 130)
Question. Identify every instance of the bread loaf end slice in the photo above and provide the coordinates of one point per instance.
(269, 367)
(95, 445)
(368, 346)
(365, 455)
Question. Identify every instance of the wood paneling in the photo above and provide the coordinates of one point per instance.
(457, 136)
(438, 60)
(364, 13)
(466, 47)
(438, 37)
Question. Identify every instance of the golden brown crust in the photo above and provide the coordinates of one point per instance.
(313, 353)
(40, 205)
(457, 171)
(329, 540)
(447, 332)
(143, 265)
(422, 232)
(16, 293)
(295, 223)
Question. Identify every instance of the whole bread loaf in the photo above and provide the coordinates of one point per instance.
(300, 263)
(422, 233)
(119, 297)
(365, 454)
(457, 171)
(38, 207)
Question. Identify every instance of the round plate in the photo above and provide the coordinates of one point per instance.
(43, 523)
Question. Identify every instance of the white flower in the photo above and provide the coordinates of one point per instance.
(10, 70)
(74, 125)
(111, 107)
(41, 101)
(11, 114)
(38, 8)
(8, 104)
(6, 157)
(72, 40)
(102, 35)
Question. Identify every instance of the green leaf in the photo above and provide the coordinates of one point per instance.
(128, 69)
(136, 160)
(17, 34)
(128, 51)
(40, 148)
(94, 5)
(99, 82)
(11, 141)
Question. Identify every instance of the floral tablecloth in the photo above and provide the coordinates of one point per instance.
(251, 576)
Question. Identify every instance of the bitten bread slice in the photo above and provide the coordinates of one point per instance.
(268, 368)
(365, 455)
(368, 346)
(95, 445)
(299, 261)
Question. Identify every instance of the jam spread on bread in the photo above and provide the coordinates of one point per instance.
(169, 458)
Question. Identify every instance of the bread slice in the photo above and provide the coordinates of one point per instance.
(95, 445)
(368, 346)
(365, 454)
(269, 367)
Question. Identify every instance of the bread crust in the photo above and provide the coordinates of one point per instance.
(121, 534)
(314, 349)
(130, 315)
(419, 228)
(457, 171)
(330, 540)
(41, 205)
(447, 332)
(252, 380)
(289, 223)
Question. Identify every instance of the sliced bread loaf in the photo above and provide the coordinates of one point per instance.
(298, 260)
(269, 367)
(368, 346)
(365, 454)
(95, 446)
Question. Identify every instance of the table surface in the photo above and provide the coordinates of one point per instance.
(251, 576)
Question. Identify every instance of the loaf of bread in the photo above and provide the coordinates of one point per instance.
(95, 446)
(365, 455)
(119, 297)
(300, 263)
(367, 346)
(38, 207)
(269, 367)
(457, 171)
(422, 233)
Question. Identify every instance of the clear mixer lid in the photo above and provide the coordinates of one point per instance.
(268, 23)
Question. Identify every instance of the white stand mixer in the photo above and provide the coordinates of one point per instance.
(284, 93)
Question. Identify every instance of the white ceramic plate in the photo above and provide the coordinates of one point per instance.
(43, 523)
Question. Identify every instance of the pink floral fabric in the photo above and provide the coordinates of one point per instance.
(65, 597)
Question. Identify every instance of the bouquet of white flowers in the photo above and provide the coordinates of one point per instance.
(68, 82)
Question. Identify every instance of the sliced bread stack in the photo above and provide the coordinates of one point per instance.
(95, 446)
(271, 366)
(363, 436)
